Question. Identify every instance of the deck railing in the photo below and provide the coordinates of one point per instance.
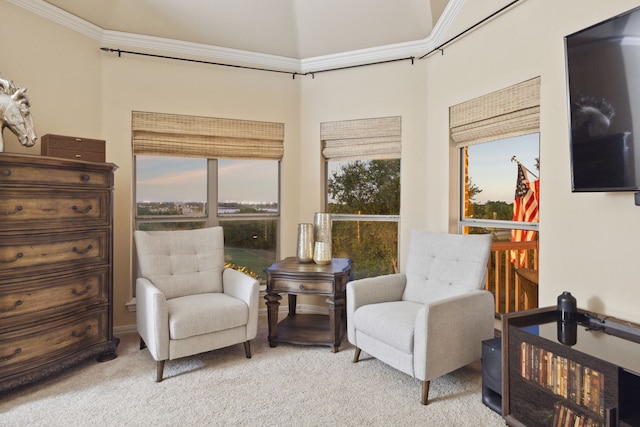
(503, 280)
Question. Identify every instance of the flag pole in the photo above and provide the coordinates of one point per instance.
(515, 159)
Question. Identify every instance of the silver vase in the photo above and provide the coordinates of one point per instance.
(322, 253)
(322, 224)
(304, 252)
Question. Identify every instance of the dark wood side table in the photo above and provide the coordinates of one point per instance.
(293, 278)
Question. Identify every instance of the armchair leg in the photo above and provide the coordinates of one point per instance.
(356, 355)
(425, 392)
(247, 349)
(143, 345)
(159, 370)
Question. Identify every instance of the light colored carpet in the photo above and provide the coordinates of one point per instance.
(283, 386)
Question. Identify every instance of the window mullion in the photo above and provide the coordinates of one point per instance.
(212, 193)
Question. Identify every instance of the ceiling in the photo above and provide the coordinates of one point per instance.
(297, 29)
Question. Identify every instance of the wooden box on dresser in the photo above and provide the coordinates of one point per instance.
(70, 147)
(56, 258)
(579, 373)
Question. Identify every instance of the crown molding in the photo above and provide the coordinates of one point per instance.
(60, 16)
(344, 59)
(119, 39)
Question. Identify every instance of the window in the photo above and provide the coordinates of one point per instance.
(490, 177)
(194, 172)
(248, 210)
(172, 194)
(362, 188)
(496, 134)
(497, 138)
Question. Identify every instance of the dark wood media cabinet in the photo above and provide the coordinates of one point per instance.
(582, 373)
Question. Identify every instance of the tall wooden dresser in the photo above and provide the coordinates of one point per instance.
(56, 258)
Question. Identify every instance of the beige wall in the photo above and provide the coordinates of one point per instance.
(587, 241)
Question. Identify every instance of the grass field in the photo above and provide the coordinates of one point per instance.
(254, 260)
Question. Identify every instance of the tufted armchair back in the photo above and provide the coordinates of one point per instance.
(184, 262)
(441, 265)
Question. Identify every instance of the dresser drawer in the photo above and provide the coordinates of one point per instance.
(29, 252)
(66, 174)
(27, 300)
(29, 208)
(48, 342)
(303, 286)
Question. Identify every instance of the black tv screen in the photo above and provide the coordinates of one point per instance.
(603, 75)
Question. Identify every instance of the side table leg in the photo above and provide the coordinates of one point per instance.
(336, 308)
(293, 301)
(273, 306)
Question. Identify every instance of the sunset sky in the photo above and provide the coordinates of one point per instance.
(169, 179)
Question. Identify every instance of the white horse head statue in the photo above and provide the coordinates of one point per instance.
(15, 114)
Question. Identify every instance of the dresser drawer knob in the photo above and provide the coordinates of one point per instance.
(85, 177)
(6, 172)
(81, 211)
(15, 211)
(81, 334)
(82, 251)
(9, 261)
(11, 356)
(15, 306)
(301, 286)
(81, 293)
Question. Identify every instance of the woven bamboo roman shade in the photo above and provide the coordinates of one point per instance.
(364, 139)
(164, 134)
(506, 113)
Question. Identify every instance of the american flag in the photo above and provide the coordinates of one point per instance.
(525, 209)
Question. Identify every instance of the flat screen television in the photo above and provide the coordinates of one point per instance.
(603, 79)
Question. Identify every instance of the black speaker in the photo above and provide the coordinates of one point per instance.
(492, 374)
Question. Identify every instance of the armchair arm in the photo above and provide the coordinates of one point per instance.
(372, 290)
(243, 287)
(449, 332)
(377, 289)
(152, 318)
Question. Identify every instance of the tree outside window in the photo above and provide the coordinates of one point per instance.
(364, 198)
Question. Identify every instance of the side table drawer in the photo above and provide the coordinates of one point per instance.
(303, 286)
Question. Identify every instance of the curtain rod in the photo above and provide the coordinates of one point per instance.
(199, 61)
(293, 73)
(313, 73)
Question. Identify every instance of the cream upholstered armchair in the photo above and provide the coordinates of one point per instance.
(187, 302)
(431, 319)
